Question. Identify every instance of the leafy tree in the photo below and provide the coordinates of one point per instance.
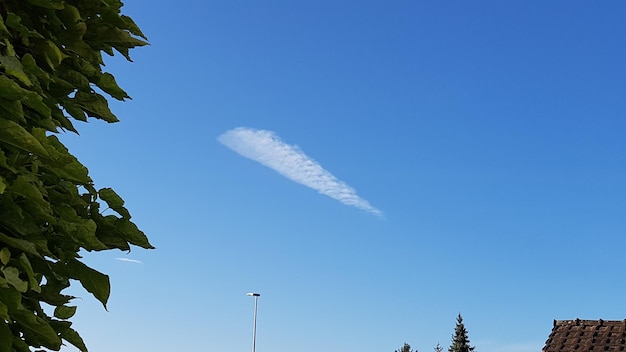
(406, 348)
(51, 73)
(460, 341)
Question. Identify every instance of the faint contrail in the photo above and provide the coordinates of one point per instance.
(268, 149)
(129, 260)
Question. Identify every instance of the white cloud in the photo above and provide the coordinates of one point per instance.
(129, 260)
(268, 149)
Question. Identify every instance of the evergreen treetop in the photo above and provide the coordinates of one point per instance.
(460, 341)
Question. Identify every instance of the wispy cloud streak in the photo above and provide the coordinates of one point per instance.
(129, 260)
(268, 149)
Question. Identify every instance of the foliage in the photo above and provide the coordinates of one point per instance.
(460, 341)
(50, 74)
(438, 348)
(406, 348)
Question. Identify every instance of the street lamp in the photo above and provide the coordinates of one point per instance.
(256, 301)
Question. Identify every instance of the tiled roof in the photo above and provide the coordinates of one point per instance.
(587, 336)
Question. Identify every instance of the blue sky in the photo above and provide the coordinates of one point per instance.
(486, 137)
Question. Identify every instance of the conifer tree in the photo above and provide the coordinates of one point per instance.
(438, 348)
(460, 341)
(406, 348)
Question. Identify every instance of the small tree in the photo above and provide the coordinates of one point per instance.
(406, 348)
(438, 348)
(460, 341)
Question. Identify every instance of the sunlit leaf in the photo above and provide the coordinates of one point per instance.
(13, 67)
(5, 255)
(12, 276)
(28, 269)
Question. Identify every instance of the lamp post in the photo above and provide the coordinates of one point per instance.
(256, 301)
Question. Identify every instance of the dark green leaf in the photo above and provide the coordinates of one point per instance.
(11, 90)
(13, 67)
(19, 345)
(70, 335)
(6, 336)
(4, 311)
(114, 201)
(4, 32)
(35, 102)
(95, 105)
(11, 298)
(132, 234)
(93, 281)
(49, 4)
(26, 246)
(107, 83)
(36, 328)
(17, 136)
(12, 110)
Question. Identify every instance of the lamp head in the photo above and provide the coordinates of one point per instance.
(253, 294)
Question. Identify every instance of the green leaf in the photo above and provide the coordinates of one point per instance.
(74, 110)
(114, 201)
(48, 4)
(95, 105)
(70, 335)
(132, 234)
(36, 328)
(24, 186)
(132, 27)
(93, 281)
(77, 79)
(35, 102)
(5, 255)
(4, 32)
(6, 335)
(15, 135)
(28, 269)
(19, 345)
(4, 311)
(69, 167)
(64, 312)
(30, 66)
(12, 109)
(107, 83)
(13, 21)
(11, 90)
(11, 298)
(24, 245)
(12, 275)
(13, 67)
(118, 36)
(52, 54)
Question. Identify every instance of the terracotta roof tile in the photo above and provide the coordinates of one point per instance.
(587, 335)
